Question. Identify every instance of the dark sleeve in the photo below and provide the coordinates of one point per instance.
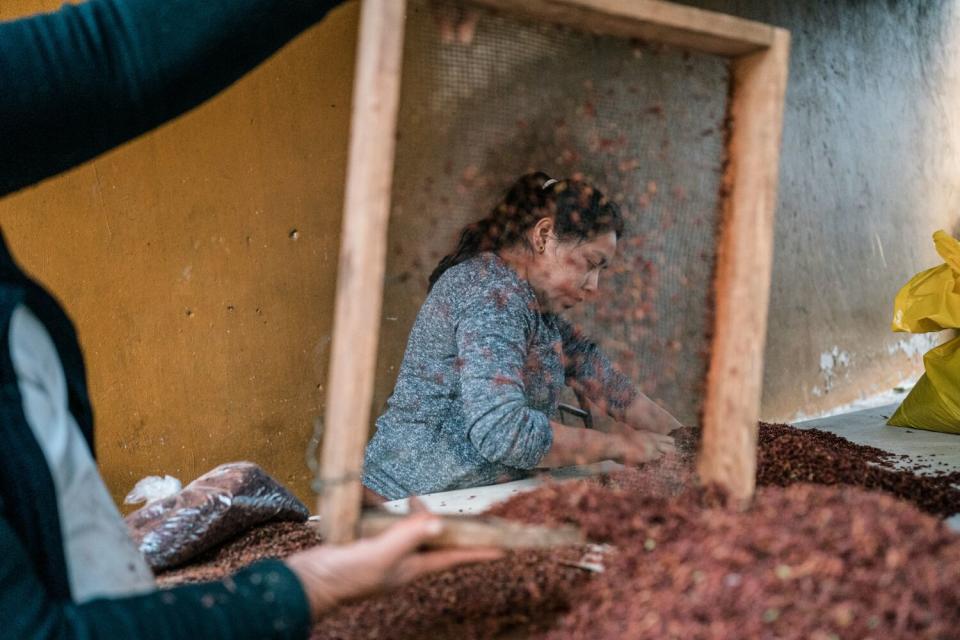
(86, 78)
(262, 601)
(590, 371)
(492, 347)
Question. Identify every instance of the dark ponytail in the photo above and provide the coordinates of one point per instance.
(579, 211)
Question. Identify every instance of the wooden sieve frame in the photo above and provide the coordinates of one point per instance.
(758, 55)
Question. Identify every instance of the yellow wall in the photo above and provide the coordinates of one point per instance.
(205, 319)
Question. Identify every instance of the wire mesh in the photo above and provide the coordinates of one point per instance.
(644, 123)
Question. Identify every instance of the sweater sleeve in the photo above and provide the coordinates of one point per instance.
(88, 77)
(492, 338)
(590, 371)
(265, 600)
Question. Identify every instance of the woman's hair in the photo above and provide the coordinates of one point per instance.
(579, 212)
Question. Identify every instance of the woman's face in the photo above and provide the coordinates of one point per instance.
(567, 272)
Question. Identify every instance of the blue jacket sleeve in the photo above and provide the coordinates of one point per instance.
(492, 338)
(86, 78)
(262, 601)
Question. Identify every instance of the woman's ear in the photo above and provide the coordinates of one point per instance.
(541, 232)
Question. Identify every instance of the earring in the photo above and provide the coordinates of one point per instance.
(541, 249)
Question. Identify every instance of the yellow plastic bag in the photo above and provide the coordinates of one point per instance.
(930, 301)
(934, 402)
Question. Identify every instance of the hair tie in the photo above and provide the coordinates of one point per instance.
(549, 182)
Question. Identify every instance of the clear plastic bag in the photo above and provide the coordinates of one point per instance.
(220, 504)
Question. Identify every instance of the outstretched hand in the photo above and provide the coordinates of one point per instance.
(332, 575)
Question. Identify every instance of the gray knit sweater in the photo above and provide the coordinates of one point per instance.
(480, 379)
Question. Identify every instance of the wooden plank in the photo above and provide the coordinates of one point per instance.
(744, 263)
(356, 327)
(653, 20)
(472, 531)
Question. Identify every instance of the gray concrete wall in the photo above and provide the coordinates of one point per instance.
(870, 167)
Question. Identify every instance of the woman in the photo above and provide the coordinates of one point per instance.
(488, 354)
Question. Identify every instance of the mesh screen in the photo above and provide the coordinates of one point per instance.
(644, 123)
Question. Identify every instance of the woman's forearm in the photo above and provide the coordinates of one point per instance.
(572, 445)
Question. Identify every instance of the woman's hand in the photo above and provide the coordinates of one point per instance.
(646, 415)
(572, 445)
(331, 575)
(643, 414)
(634, 447)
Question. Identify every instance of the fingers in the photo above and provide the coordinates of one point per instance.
(456, 24)
(664, 443)
(654, 426)
(407, 535)
(467, 27)
(639, 455)
(630, 446)
(417, 505)
(645, 446)
(423, 563)
(667, 448)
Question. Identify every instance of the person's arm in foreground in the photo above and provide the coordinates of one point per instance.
(270, 599)
(335, 575)
(88, 77)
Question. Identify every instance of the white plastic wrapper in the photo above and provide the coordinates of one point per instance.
(218, 505)
(153, 488)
